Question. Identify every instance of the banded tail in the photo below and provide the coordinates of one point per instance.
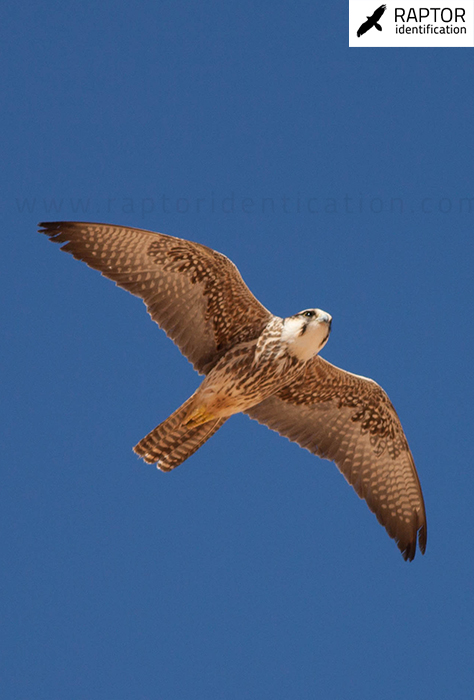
(171, 442)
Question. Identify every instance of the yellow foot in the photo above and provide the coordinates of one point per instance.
(198, 417)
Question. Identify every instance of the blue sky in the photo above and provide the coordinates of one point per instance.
(333, 177)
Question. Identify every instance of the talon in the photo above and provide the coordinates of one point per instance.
(198, 417)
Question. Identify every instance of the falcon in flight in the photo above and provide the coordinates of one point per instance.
(372, 21)
(259, 364)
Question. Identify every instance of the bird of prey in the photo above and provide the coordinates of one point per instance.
(372, 21)
(257, 363)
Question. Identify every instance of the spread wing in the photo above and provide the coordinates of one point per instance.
(365, 27)
(350, 420)
(378, 13)
(194, 293)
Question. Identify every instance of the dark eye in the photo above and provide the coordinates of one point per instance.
(308, 314)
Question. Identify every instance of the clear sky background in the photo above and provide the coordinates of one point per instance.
(252, 570)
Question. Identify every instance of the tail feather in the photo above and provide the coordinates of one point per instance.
(171, 442)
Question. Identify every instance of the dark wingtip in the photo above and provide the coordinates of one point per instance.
(50, 228)
(408, 553)
(422, 537)
(409, 550)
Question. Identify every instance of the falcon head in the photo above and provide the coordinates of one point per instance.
(306, 333)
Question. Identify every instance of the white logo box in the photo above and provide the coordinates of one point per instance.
(446, 23)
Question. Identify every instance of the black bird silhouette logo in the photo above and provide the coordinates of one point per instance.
(372, 21)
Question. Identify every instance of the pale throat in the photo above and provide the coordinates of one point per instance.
(305, 345)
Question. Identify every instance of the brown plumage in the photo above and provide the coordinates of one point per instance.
(257, 363)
